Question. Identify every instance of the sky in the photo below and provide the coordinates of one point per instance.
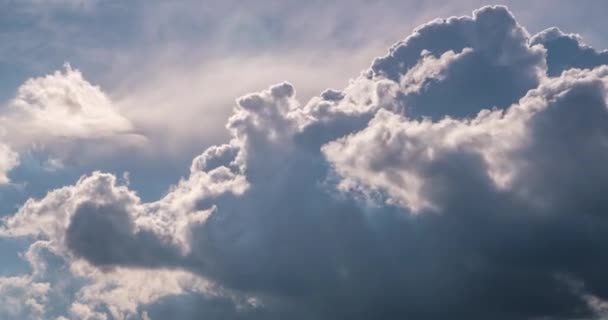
(303, 159)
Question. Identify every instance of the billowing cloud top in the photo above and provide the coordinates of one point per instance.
(460, 176)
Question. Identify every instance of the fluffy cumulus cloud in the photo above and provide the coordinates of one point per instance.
(460, 176)
(62, 105)
(64, 117)
(489, 45)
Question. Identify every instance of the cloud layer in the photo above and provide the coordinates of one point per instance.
(459, 176)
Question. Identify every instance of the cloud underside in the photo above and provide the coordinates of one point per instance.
(460, 176)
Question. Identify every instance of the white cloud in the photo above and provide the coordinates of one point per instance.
(9, 159)
(22, 298)
(61, 106)
(65, 118)
(124, 291)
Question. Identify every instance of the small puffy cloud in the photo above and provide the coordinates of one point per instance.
(62, 105)
(64, 117)
(455, 178)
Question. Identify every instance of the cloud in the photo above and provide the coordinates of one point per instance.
(453, 178)
(149, 100)
(566, 51)
(61, 118)
(400, 155)
(58, 107)
(63, 105)
(9, 159)
(490, 45)
(125, 291)
(74, 224)
(22, 298)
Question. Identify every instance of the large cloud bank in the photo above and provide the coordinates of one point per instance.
(461, 176)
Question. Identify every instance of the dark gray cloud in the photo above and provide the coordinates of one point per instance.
(566, 51)
(498, 70)
(105, 235)
(352, 207)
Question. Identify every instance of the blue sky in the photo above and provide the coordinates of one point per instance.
(313, 160)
